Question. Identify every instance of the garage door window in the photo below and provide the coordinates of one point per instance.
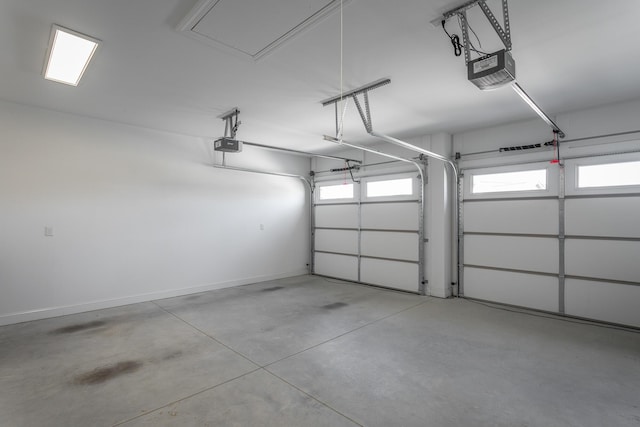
(392, 187)
(336, 192)
(530, 180)
(609, 175)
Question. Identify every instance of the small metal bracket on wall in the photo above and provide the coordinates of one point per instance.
(503, 31)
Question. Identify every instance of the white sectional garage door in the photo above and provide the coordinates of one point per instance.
(564, 247)
(372, 240)
(602, 249)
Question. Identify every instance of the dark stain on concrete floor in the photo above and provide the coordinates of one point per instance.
(173, 355)
(106, 373)
(79, 327)
(335, 305)
(272, 289)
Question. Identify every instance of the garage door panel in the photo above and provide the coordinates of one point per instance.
(605, 217)
(511, 253)
(337, 216)
(392, 274)
(519, 253)
(610, 302)
(390, 216)
(603, 259)
(512, 216)
(521, 289)
(340, 266)
(390, 245)
(381, 232)
(343, 241)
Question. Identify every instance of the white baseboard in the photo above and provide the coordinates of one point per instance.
(46, 313)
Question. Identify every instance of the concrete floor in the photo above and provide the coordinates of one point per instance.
(307, 351)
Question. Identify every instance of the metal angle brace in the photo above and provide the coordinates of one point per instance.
(231, 122)
(365, 113)
(503, 33)
(465, 36)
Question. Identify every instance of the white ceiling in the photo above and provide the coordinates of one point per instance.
(570, 54)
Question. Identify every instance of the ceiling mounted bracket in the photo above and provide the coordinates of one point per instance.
(231, 122)
(365, 113)
(362, 89)
(503, 32)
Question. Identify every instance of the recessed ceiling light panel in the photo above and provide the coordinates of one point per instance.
(68, 55)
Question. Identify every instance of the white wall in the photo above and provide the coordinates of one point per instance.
(136, 215)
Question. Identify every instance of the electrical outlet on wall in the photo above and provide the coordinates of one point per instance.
(48, 231)
(261, 227)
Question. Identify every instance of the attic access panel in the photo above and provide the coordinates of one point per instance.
(253, 29)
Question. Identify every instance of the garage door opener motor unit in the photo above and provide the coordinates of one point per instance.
(228, 143)
(492, 71)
